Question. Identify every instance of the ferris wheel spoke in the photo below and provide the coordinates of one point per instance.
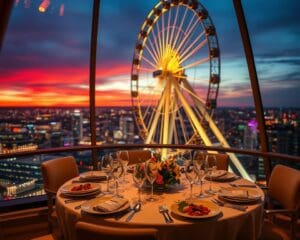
(173, 27)
(179, 29)
(188, 34)
(152, 52)
(168, 27)
(153, 48)
(156, 45)
(159, 39)
(147, 69)
(149, 62)
(163, 32)
(195, 63)
(191, 50)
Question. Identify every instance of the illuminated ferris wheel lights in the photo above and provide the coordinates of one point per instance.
(210, 31)
(203, 14)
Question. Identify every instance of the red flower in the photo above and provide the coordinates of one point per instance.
(159, 179)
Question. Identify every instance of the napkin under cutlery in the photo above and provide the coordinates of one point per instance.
(111, 205)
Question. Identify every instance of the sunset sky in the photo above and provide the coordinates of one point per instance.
(45, 56)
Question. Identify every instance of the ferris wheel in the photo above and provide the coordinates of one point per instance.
(175, 75)
(175, 71)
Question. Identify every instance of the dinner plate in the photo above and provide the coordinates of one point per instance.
(214, 209)
(222, 176)
(67, 189)
(89, 206)
(82, 195)
(239, 195)
(93, 175)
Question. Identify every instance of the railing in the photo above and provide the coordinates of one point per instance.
(169, 146)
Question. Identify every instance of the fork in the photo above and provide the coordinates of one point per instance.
(165, 212)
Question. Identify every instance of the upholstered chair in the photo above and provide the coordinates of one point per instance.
(283, 204)
(55, 173)
(135, 156)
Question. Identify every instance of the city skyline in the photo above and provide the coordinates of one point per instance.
(44, 60)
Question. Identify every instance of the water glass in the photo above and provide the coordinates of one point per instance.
(117, 171)
(199, 161)
(211, 165)
(139, 177)
(151, 172)
(190, 173)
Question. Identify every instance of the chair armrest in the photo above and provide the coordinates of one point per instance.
(283, 211)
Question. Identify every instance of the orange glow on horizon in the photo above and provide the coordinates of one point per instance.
(64, 87)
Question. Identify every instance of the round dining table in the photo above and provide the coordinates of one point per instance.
(229, 224)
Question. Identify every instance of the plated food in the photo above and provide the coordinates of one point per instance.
(195, 209)
(80, 189)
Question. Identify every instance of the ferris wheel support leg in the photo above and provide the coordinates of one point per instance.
(217, 133)
(192, 115)
(166, 116)
(155, 120)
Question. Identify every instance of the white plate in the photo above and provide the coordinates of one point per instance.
(93, 175)
(67, 189)
(214, 209)
(82, 195)
(239, 195)
(228, 176)
(89, 206)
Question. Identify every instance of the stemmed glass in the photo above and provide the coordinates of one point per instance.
(139, 177)
(199, 160)
(106, 167)
(117, 171)
(151, 172)
(190, 171)
(211, 165)
(124, 158)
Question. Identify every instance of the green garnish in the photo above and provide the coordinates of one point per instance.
(181, 205)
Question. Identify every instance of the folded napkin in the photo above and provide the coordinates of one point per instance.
(239, 194)
(93, 175)
(218, 173)
(111, 205)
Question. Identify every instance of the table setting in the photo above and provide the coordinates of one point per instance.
(141, 201)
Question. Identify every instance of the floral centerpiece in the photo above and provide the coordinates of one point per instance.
(168, 171)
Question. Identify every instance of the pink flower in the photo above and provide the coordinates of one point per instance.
(159, 179)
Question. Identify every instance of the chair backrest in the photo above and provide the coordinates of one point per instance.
(57, 171)
(222, 160)
(88, 231)
(284, 186)
(135, 156)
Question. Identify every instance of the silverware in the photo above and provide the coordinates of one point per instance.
(229, 205)
(242, 185)
(165, 212)
(135, 209)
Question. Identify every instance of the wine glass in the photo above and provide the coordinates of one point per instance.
(199, 160)
(139, 177)
(117, 171)
(211, 165)
(106, 167)
(151, 172)
(124, 158)
(190, 171)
